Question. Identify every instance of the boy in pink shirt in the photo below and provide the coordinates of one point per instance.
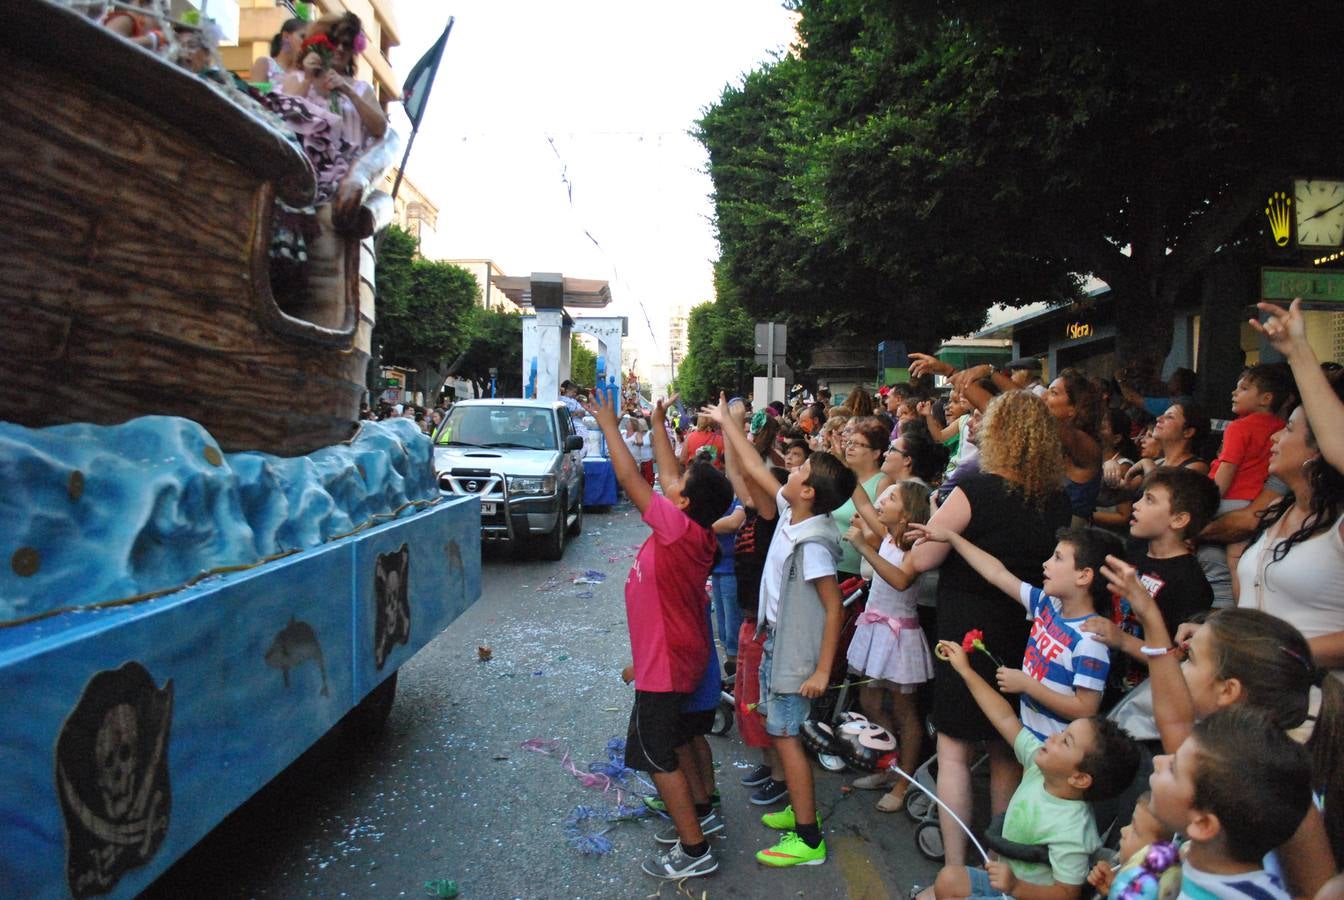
(665, 604)
(1243, 462)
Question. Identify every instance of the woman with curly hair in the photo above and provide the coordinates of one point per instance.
(1012, 509)
(859, 403)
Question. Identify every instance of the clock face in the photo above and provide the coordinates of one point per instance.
(1319, 210)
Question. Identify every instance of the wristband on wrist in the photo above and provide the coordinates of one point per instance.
(1161, 651)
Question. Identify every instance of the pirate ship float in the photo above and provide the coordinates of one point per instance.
(136, 249)
(199, 574)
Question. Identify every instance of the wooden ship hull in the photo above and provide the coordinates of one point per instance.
(136, 271)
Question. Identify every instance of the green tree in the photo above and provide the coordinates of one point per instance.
(924, 160)
(496, 342)
(582, 363)
(720, 341)
(424, 309)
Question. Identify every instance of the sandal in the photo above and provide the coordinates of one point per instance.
(877, 781)
(893, 799)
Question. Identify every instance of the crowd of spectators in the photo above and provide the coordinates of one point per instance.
(1136, 535)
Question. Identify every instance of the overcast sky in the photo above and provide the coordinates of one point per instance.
(536, 102)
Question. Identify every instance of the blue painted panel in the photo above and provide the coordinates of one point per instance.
(421, 588)
(206, 669)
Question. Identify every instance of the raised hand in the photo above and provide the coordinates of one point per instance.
(1104, 630)
(662, 406)
(855, 534)
(923, 363)
(967, 376)
(604, 411)
(1124, 580)
(925, 532)
(1285, 328)
(719, 412)
(1185, 632)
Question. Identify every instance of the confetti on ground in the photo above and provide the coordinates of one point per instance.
(586, 827)
(584, 595)
(592, 576)
(442, 887)
(484, 653)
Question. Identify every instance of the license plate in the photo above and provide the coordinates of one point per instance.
(487, 509)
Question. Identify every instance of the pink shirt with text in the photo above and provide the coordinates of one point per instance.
(665, 600)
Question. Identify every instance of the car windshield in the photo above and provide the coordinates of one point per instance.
(497, 427)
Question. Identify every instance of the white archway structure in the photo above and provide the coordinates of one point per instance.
(548, 326)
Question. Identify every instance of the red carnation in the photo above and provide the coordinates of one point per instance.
(975, 640)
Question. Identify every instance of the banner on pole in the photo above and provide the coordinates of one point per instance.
(421, 78)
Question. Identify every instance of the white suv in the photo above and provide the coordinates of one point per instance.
(523, 459)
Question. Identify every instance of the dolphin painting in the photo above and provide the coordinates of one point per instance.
(294, 645)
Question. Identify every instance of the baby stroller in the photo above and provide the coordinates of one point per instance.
(921, 809)
(1110, 815)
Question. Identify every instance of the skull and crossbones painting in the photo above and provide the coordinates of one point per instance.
(391, 603)
(112, 777)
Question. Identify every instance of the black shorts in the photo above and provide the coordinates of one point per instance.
(656, 731)
(696, 724)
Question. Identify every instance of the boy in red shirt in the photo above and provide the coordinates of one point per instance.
(665, 605)
(1243, 462)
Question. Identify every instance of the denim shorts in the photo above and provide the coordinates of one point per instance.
(981, 889)
(784, 713)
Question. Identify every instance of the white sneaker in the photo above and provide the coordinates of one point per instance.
(710, 824)
(674, 865)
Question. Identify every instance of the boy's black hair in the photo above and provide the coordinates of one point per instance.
(1112, 762)
(902, 389)
(1190, 493)
(1091, 546)
(1271, 378)
(801, 445)
(709, 492)
(831, 481)
(1253, 777)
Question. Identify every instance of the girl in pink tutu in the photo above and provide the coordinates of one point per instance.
(889, 645)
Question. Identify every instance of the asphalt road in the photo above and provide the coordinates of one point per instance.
(448, 791)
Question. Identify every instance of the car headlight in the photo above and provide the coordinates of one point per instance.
(544, 484)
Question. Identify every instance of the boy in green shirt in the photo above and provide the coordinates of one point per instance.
(1092, 759)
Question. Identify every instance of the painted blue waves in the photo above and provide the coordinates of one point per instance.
(94, 513)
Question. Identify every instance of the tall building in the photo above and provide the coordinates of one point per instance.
(259, 20)
(412, 210)
(486, 271)
(676, 336)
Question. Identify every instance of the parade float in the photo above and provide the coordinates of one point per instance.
(208, 562)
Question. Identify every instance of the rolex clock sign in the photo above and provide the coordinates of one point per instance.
(1318, 212)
